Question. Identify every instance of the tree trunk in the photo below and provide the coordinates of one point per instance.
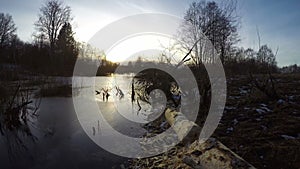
(208, 154)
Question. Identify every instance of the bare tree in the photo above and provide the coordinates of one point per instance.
(53, 15)
(7, 29)
(218, 24)
(266, 56)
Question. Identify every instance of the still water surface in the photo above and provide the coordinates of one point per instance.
(61, 141)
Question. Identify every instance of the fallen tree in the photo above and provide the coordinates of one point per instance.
(208, 154)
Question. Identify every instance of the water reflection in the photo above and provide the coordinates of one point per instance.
(55, 139)
(52, 137)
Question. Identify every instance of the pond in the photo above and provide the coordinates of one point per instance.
(61, 142)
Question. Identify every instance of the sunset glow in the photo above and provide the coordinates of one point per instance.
(125, 48)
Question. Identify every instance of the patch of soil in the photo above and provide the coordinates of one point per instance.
(265, 132)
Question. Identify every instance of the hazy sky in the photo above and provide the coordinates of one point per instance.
(278, 21)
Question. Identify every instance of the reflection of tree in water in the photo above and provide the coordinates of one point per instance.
(17, 114)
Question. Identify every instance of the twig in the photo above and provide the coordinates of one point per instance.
(14, 96)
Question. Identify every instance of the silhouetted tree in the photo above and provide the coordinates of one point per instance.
(15, 49)
(7, 29)
(218, 24)
(265, 55)
(7, 32)
(67, 50)
(53, 15)
(250, 54)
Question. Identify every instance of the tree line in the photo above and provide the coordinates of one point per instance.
(54, 49)
(207, 23)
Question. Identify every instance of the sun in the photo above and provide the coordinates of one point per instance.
(123, 50)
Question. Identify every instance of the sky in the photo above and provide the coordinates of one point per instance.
(277, 20)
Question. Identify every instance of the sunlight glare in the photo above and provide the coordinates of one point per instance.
(125, 48)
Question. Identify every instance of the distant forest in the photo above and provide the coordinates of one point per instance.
(54, 50)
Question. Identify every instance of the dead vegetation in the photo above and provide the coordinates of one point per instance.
(260, 127)
(18, 111)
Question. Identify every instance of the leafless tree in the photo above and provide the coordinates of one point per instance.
(266, 56)
(205, 21)
(53, 15)
(7, 29)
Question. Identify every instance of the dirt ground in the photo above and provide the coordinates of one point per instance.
(262, 130)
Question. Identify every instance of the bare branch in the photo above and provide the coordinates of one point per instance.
(53, 15)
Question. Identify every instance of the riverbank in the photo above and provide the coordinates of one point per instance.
(263, 131)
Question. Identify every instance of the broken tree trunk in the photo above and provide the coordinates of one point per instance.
(182, 125)
(208, 154)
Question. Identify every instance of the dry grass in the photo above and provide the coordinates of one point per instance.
(258, 136)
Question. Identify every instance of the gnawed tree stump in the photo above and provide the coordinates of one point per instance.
(182, 125)
(208, 154)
